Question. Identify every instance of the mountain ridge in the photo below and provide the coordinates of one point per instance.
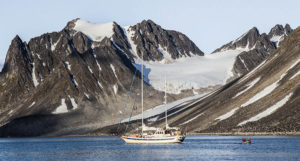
(254, 47)
(64, 77)
(59, 78)
(264, 101)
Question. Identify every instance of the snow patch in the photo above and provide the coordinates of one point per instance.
(295, 75)
(277, 39)
(74, 81)
(261, 94)
(74, 104)
(10, 112)
(227, 115)
(99, 84)
(153, 119)
(250, 85)
(268, 111)
(31, 105)
(190, 120)
(100, 69)
(53, 46)
(242, 60)
(68, 65)
(117, 46)
(39, 57)
(130, 34)
(195, 92)
(90, 69)
(167, 56)
(62, 108)
(115, 88)
(96, 32)
(114, 70)
(35, 82)
(292, 66)
(86, 95)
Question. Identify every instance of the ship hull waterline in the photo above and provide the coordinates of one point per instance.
(156, 140)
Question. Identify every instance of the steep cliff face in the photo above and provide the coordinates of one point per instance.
(149, 38)
(252, 47)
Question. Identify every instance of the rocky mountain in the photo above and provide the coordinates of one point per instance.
(252, 47)
(278, 33)
(150, 39)
(77, 79)
(264, 101)
(187, 72)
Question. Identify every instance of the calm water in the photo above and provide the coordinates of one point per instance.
(113, 148)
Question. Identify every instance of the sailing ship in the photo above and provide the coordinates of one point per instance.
(165, 135)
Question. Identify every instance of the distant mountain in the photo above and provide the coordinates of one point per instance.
(252, 47)
(278, 33)
(266, 100)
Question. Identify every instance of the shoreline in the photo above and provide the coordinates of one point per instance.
(220, 134)
(248, 133)
(188, 134)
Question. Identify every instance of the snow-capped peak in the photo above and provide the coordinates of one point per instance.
(96, 32)
(278, 33)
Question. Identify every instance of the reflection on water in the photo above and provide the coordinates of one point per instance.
(113, 148)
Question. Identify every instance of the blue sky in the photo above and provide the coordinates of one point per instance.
(209, 24)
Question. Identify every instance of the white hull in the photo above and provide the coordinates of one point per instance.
(154, 140)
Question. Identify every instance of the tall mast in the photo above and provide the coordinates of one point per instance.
(166, 112)
(142, 95)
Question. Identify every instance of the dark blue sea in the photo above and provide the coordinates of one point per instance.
(108, 148)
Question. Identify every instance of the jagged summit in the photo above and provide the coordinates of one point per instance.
(278, 33)
(16, 58)
(280, 30)
(277, 30)
(149, 22)
(252, 47)
(154, 42)
(17, 39)
(288, 29)
(245, 42)
(146, 37)
(71, 24)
